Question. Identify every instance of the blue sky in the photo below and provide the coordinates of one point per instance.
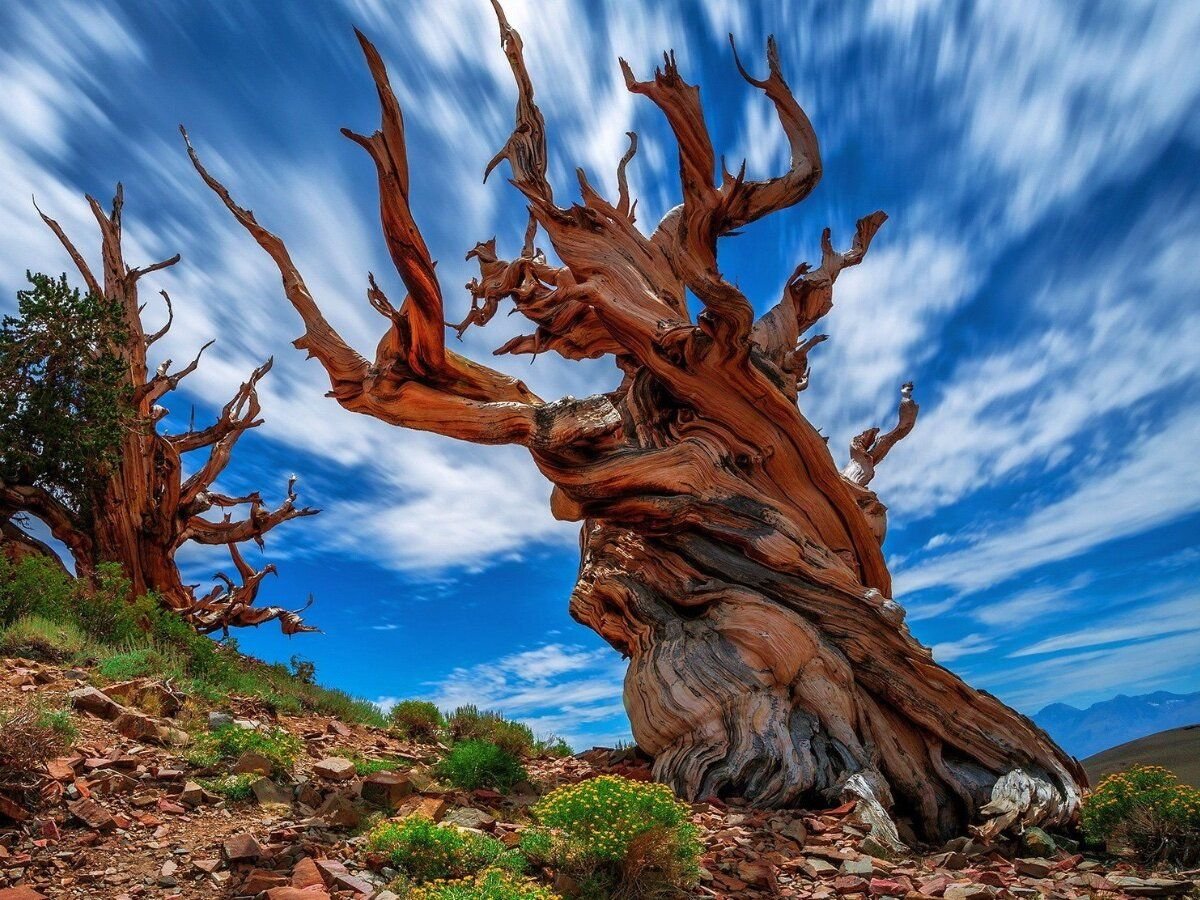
(1038, 278)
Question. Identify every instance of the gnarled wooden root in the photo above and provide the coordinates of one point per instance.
(737, 692)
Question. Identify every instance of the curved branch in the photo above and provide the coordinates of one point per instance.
(808, 293)
(64, 525)
(238, 414)
(163, 383)
(416, 382)
(746, 201)
(231, 605)
(257, 523)
(151, 338)
(80, 263)
(525, 148)
(869, 448)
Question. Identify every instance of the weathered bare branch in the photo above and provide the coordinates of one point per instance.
(869, 448)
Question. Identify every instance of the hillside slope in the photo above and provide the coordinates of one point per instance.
(1177, 749)
(1085, 732)
(131, 810)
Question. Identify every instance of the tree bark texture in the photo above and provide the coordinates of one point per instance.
(722, 550)
(144, 508)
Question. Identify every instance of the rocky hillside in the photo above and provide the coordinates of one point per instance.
(1084, 732)
(137, 806)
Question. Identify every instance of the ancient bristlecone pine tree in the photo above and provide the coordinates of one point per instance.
(144, 508)
(722, 551)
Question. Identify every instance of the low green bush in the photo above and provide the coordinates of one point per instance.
(60, 721)
(490, 885)
(34, 586)
(36, 637)
(227, 743)
(1148, 810)
(424, 850)
(136, 662)
(553, 745)
(368, 766)
(617, 838)
(231, 787)
(480, 764)
(469, 723)
(418, 720)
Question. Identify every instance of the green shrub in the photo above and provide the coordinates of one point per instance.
(367, 766)
(36, 637)
(303, 670)
(493, 884)
(136, 662)
(617, 838)
(418, 720)
(468, 723)
(231, 787)
(515, 737)
(227, 743)
(1147, 810)
(34, 586)
(480, 764)
(424, 850)
(59, 721)
(553, 745)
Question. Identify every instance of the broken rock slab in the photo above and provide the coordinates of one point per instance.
(95, 701)
(335, 768)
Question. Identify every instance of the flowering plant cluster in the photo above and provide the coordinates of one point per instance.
(616, 837)
(426, 851)
(1147, 809)
(492, 884)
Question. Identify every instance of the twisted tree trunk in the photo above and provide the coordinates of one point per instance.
(722, 550)
(142, 508)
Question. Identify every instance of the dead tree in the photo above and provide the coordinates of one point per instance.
(722, 551)
(144, 508)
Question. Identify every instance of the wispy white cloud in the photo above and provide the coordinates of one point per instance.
(1169, 616)
(1085, 677)
(559, 688)
(948, 651)
(1145, 489)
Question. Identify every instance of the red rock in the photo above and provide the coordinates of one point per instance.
(1034, 868)
(1065, 865)
(92, 814)
(63, 768)
(12, 810)
(387, 789)
(935, 886)
(49, 829)
(169, 806)
(850, 884)
(20, 893)
(260, 880)
(431, 808)
(335, 768)
(758, 874)
(889, 887)
(96, 702)
(306, 874)
(242, 848)
(251, 763)
(293, 893)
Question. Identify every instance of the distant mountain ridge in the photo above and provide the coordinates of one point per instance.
(1083, 732)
